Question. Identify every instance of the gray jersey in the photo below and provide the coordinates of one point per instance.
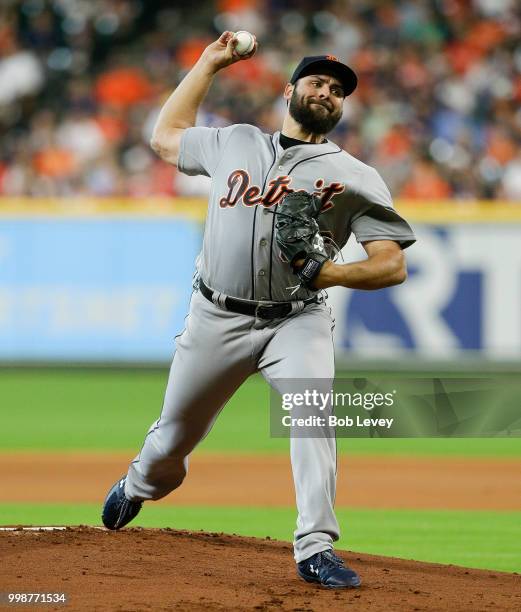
(219, 348)
(251, 173)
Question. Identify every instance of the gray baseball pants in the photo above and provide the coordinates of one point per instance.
(215, 354)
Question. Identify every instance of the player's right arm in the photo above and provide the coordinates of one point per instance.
(180, 110)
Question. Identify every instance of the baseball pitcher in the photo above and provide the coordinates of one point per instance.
(280, 206)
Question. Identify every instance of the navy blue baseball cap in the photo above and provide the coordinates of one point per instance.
(326, 64)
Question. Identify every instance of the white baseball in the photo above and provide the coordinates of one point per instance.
(245, 42)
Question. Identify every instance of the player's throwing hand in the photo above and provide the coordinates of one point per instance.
(221, 53)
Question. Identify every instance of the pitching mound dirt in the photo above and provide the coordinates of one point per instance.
(162, 569)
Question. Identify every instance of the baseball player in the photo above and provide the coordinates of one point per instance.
(276, 202)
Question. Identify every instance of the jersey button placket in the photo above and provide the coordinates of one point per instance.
(262, 289)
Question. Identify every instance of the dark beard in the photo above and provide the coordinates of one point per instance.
(312, 120)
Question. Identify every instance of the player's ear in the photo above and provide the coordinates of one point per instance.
(288, 91)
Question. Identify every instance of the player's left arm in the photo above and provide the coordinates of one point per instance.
(385, 266)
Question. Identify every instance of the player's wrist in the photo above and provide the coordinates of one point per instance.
(329, 276)
(207, 67)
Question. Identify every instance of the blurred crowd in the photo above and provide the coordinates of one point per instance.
(437, 110)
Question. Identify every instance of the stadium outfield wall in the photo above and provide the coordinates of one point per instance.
(89, 280)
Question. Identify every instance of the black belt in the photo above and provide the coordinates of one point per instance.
(263, 310)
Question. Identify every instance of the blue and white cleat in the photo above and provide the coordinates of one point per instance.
(328, 570)
(117, 509)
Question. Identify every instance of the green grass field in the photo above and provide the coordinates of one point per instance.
(63, 410)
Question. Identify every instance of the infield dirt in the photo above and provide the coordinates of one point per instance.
(161, 569)
(265, 480)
